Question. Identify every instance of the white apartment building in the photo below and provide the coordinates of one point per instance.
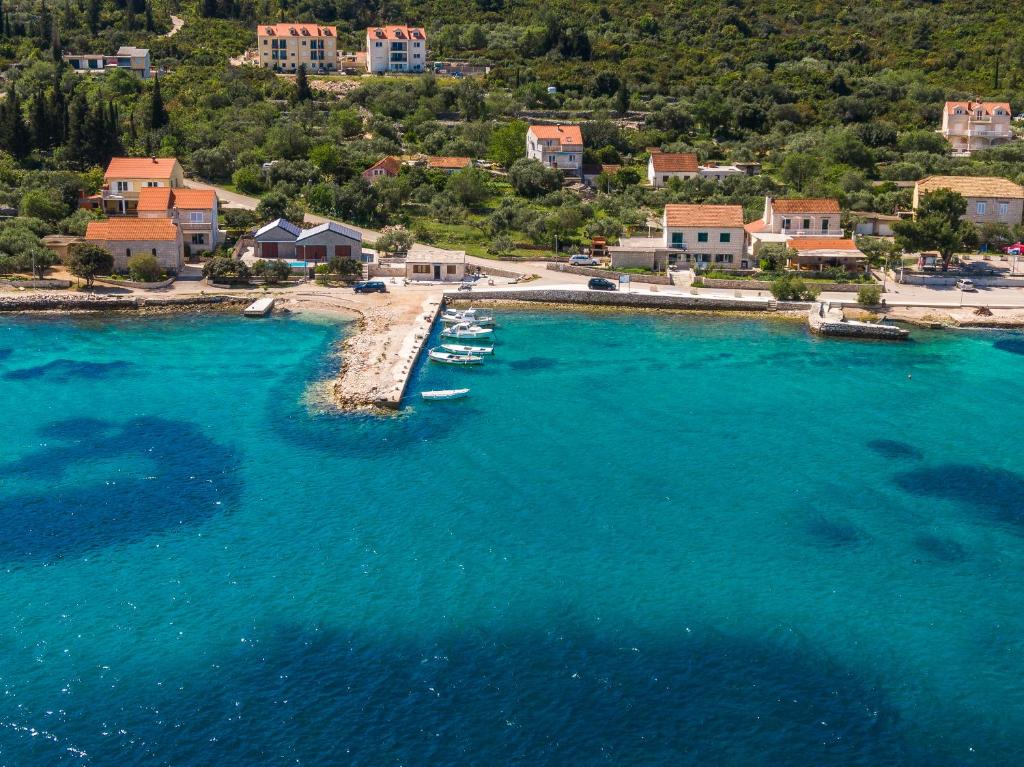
(973, 125)
(396, 49)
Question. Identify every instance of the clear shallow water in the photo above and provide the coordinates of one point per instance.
(641, 541)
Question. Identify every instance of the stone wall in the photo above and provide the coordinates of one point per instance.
(936, 281)
(103, 303)
(380, 270)
(616, 298)
(135, 285)
(608, 274)
(491, 271)
(830, 287)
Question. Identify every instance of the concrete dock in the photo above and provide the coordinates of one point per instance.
(828, 320)
(260, 308)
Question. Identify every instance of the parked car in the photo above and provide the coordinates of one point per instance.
(600, 283)
(370, 286)
(582, 260)
(965, 285)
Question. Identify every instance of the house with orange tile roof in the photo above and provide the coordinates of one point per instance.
(125, 237)
(819, 253)
(194, 211)
(449, 165)
(125, 177)
(287, 46)
(384, 167)
(784, 220)
(395, 48)
(972, 125)
(556, 146)
(662, 167)
(704, 236)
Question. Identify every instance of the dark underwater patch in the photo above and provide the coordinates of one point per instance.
(941, 549)
(64, 370)
(996, 494)
(533, 363)
(835, 532)
(893, 448)
(172, 474)
(5, 353)
(561, 697)
(1014, 345)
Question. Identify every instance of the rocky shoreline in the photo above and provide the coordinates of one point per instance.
(73, 304)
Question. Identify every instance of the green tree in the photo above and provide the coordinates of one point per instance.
(157, 113)
(225, 269)
(46, 204)
(272, 205)
(508, 143)
(302, 89)
(346, 268)
(272, 271)
(470, 187)
(791, 288)
(394, 239)
(798, 169)
(938, 225)
(622, 99)
(531, 178)
(248, 179)
(143, 267)
(87, 261)
(869, 295)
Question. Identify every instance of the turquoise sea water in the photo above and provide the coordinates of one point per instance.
(641, 540)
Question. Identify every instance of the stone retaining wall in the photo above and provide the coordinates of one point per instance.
(491, 271)
(101, 303)
(135, 285)
(616, 298)
(608, 274)
(981, 282)
(44, 283)
(380, 270)
(834, 287)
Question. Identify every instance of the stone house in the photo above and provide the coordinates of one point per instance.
(706, 235)
(127, 237)
(435, 266)
(990, 200)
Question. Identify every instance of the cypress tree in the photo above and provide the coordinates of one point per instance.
(209, 8)
(76, 128)
(93, 16)
(16, 137)
(157, 113)
(149, 18)
(39, 123)
(3, 25)
(302, 90)
(57, 110)
(45, 24)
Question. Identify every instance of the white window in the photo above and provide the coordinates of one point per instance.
(981, 208)
(1004, 208)
(122, 186)
(195, 217)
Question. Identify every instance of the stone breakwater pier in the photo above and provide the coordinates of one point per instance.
(830, 321)
(102, 303)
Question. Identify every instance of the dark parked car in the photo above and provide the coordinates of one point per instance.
(600, 283)
(370, 286)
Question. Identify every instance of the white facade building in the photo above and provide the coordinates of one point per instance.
(396, 49)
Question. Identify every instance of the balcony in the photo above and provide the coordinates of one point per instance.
(792, 232)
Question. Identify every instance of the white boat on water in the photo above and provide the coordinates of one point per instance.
(465, 330)
(454, 359)
(462, 349)
(474, 319)
(445, 394)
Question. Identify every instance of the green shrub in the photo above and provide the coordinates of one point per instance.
(869, 295)
(144, 267)
(790, 288)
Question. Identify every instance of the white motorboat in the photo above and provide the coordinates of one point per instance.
(454, 359)
(465, 330)
(467, 316)
(445, 394)
(462, 349)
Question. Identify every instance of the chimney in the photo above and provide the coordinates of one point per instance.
(153, 158)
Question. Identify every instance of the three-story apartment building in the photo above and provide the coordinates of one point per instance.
(396, 49)
(973, 125)
(285, 47)
(556, 146)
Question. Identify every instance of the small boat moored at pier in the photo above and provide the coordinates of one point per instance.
(465, 330)
(462, 349)
(454, 359)
(445, 394)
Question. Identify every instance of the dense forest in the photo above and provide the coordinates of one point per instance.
(833, 98)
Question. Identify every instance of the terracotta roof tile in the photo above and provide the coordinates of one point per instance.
(805, 205)
(396, 32)
(704, 215)
(988, 107)
(141, 167)
(972, 186)
(132, 229)
(391, 164)
(153, 199)
(665, 162)
(296, 30)
(567, 135)
(195, 199)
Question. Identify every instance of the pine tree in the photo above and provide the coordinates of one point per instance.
(302, 91)
(157, 113)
